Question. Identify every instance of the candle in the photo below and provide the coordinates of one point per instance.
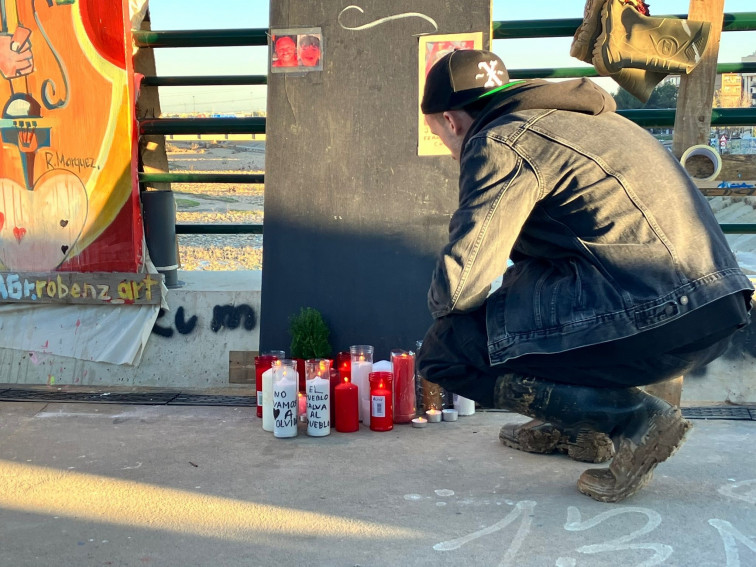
(267, 397)
(285, 380)
(318, 397)
(302, 406)
(361, 367)
(463, 405)
(403, 368)
(419, 422)
(262, 363)
(333, 378)
(433, 415)
(432, 394)
(343, 364)
(381, 401)
(449, 414)
(347, 406)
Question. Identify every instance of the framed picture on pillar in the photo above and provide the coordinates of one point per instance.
(296, 50)
(431, 49)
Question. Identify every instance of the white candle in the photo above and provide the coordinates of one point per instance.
(318, 407)
(267, 397)
(419, 422)
(433, 415)
(463, 406)
(449, 414)
(285, 404)
(360, 373)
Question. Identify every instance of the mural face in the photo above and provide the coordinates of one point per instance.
(68, 196)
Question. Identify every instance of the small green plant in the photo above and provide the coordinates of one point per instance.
(309, 335)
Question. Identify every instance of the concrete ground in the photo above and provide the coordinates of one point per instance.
(129, 485)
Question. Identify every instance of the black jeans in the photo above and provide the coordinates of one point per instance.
(454, 353)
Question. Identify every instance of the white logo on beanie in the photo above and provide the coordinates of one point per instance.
(490, 68)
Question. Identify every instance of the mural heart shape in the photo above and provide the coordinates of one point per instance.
(39, 228)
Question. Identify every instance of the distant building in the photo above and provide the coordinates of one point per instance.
(749, 80)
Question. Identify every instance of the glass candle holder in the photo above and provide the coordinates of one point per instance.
(381, 401)
(403, 368)
(285, 380)
(318, 390)
(361, 366)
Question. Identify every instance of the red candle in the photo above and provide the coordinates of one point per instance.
(344, 364)
(334, 379)
(381, 403)
(262, 363)
(301, 372)
(347, 407)
(403, 364)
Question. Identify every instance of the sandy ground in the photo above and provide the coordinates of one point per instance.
(218, 203)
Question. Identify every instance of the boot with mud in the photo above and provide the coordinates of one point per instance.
(645, 430)
(630, 39)
(536, 436)
(638, 82)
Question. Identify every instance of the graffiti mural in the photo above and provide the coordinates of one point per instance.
(68, 194)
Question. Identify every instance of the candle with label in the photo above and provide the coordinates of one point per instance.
(262, 363)
(347, 407)
(403, 369)
(285, 381)
(318, 390)
(361, 367)
(381, 401)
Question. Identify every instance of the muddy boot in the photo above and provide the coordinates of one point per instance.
(538, 437)
(655, 440)
(638, 82)
(630, 39)
(646, 430)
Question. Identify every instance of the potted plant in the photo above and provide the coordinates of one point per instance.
(309, 339)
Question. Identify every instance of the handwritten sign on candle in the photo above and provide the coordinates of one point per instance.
(318, 407)
(285, 411)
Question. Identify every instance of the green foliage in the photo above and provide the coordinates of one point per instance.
(309, 335)
(663, 96)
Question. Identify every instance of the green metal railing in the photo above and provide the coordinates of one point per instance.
(515, 29)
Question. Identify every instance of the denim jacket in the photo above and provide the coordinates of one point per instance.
(607, 233)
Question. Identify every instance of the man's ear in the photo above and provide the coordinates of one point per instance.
(458, 120)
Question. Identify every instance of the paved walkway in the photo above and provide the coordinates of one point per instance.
(128, 485)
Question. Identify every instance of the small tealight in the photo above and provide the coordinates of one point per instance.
(433, 415)
(419, 422)
(449, 414)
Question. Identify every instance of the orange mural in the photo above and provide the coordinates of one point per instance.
(69, 199)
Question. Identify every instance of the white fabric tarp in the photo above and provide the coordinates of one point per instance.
(100, 333)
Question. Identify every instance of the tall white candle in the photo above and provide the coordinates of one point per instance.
(285, 403)
(360, 372)
(464, 406)
(318, 407)
(267, 399)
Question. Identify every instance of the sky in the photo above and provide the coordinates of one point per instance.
(235, 14)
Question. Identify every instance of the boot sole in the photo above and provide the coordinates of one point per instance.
(586, 34)
(589, 447)
(666, 434)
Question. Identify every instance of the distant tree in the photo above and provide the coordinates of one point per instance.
(663, 96)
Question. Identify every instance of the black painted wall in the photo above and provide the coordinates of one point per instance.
(353, 217)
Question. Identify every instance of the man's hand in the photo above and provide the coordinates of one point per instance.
(16, 59)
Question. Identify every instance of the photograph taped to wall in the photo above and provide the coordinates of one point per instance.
(431, 49)
(296, 50)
